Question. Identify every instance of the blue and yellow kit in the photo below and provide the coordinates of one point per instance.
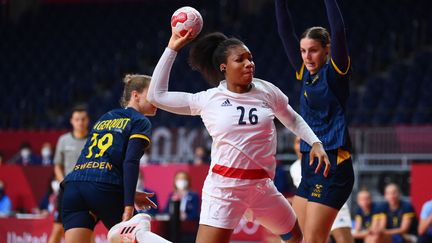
(104, 178)
(367, 218)
(322, 106)
(101, 159)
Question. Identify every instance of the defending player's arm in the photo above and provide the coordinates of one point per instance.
(287, 34)
(339, 49)
(158, 95)
(134, 152)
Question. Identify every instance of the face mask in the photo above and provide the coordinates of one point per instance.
(181, 184)
(25, 153)
(46, 152)
(1, 192)
(55, 185)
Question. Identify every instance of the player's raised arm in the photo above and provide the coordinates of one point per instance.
(287, 34)
(339, 49)
(158, 95)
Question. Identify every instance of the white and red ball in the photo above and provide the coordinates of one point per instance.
(186, 18)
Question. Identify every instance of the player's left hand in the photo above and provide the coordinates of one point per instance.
(319, 152)
(142, 200)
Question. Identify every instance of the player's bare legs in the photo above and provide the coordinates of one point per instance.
(56, 233)
(209, 234)
(299, 206)
(342, 235)
(82, 235)
(318, 222)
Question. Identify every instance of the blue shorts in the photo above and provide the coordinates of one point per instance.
(85, 203)
(332, 190)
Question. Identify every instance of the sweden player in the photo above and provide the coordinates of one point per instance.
(341, 227)
(324, 70)
(102, 184)
(239, 115)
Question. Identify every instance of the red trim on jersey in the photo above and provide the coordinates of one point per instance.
(240, 173)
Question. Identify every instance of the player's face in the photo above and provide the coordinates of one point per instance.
(79, 121)
(239, 68)
(391, 194)
(364, 200)
(314, 55)
(145, 107)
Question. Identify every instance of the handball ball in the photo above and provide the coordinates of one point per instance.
(186, 18)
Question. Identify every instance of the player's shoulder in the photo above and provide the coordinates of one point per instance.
(406, 205)
(265, 86)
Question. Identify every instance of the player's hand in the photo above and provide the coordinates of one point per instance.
(176, 41)
(319, 152)
(143, 202)
(127, 213)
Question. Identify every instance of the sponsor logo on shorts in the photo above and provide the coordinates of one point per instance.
(317, 191)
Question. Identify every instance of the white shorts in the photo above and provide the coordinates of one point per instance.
(343, 219)
(224, 207)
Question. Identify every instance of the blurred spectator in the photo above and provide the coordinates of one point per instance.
(46, 153)
(201, 156)
(68, 150)
(1, 158)
(399, 217)
(425, 226)
(189, 200)
(141, 186)
(25, 156)
(366, 216)
(5, 202)
(47, 205)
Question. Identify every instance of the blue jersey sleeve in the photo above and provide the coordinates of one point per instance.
(134, 152)
(339, 49)
(141, 128)
(408, 210)
(287, 34)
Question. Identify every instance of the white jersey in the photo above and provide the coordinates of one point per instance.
(240, 124)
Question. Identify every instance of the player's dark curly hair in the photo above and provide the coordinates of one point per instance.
(209, 52)
(319, 34)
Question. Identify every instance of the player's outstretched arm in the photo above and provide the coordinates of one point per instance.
(287, 34)
(158, 95)
(339, 48)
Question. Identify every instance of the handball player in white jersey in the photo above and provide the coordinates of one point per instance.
(238, 115)
(341, 227)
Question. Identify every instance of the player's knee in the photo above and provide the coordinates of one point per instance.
(295, 235)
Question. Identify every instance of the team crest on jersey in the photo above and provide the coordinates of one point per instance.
(226, 103)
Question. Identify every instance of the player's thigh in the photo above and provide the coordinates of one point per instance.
(82, 235)
(210, 234)
(319, 219)
(222, 207)
(299, 206)
(273, 211)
